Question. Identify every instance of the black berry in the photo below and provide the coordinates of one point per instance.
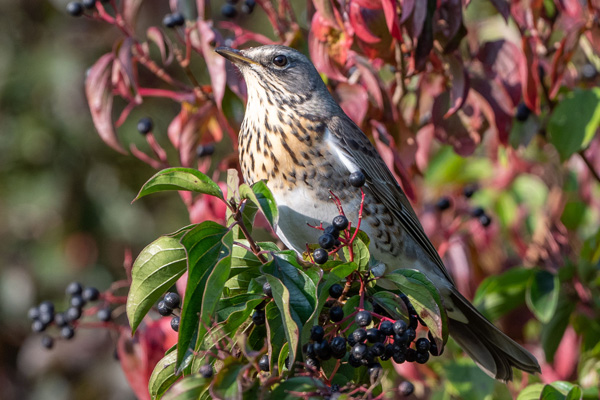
(357, 179)
(73, 288)
(400, 327)
(386, 328)
(399, 357)
(374, 336)
(320, 256)
(354, 362)
(90, 294)
(340, 222)
(164, 309)
(326, 241)
(336, 290)
(73, 314)
(331, 230)
(588, 71)
(422, 345)
(310, 350)
(469, 190)
(411, 355)
(60, 319)
(38, 326)
(47, 342)
(312, 363)
(335, 388)
(477, 212)
(522, 113)
(205, 150)
(172, 300)
(411, 334)
(145, 125)
(89, 4)
(363, 318)
(175, 324)
(422, 358)
(75, 9)
(46, 307)
(178, 19)
(104, 314)
(248, 6)
(259, 317)
(317, 333)
(443, 204)
(77, 301)
(206, 371)
(378, 349)
(375, 371)
(169, 22)
(263, 363)
(359, 335)
(338, 347)
(323, 350)
(485, 220)
(267, 289)
(45, 318)
(359, 351)
(67, 332)
(33, 313)
(336, 314)
(406, 388)
(228, 11)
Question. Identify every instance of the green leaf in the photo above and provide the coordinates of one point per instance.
(295, 296)
(542, 294)
(163, 376)
(180, 179)
(208, 246)
(574, 121)
(531, 392)
(392, 303)
(262, 197)
(467, 381)
(275, 332)
(227, 383)
(154, 271)
(497, 295)
(553, 331)
(189, 388)
(360, 248)
(296, 384)
(427, 303)
(549, 392)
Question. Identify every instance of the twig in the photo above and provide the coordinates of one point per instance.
(589, 165)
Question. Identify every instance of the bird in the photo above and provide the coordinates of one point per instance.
(297, 138)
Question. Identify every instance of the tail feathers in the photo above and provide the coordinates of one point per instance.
(492, 350)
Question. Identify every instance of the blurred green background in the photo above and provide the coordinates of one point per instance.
(65, 200)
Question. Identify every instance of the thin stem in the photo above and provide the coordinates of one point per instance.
(589, 165)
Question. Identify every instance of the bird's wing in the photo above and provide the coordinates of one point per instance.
(384, 187)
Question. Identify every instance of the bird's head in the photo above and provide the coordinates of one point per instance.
(284, 74)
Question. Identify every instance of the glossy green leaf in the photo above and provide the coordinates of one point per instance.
(275, 333)
(574, 121)
(531, 392)
(467, 381)
(208, 246)
(296, 384)
(360, 249)
(426, 300)
(180, 179)
(497, 295)
(154, 271)
(542, 294)
(163, 376)
(189, 388)
(227, 383)
(392, 303)
(295, 296)
(553, 331)
(262, 197)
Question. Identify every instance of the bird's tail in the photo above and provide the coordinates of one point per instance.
(491, 349)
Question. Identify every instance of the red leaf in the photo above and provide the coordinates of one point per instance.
(452, 129)
(354, 101)
(325, 9)
(408, 7)
(99, 95)
(130, 11)
(163, 42)
(460, 84)
(561, 60)
(451, 12)
(243, 35)
(418, 17)
(320, 49)
(530, 79)
(503, 8)
(214, 62)
(495, 104)
(359, 25)
(370, 80)
(503, 61)
(391, 18)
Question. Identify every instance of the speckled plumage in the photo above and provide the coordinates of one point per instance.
(296, 137)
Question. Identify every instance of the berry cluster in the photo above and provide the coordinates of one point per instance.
(44, 315)
(167, 305)
(444, 203)
(77, 8)
(329, 240)
(230, 11)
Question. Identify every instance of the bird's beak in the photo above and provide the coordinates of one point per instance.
(235, 56)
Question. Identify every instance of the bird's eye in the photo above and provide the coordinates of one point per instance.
(280, 60)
